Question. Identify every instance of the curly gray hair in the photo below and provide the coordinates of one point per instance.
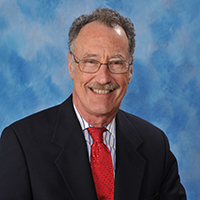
(109, 17)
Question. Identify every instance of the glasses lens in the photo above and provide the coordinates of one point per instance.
(118, 67)
(89, 65)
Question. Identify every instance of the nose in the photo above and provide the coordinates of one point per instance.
(103, 74)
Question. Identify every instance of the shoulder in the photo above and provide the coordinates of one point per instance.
(138, 123)
(39, 118)
(148, 132)
(41, 122)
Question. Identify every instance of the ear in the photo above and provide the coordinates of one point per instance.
(131, 72)
(70, 67)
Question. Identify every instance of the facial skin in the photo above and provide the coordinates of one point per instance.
(95, 101)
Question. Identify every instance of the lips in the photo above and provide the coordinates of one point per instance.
(102, 89)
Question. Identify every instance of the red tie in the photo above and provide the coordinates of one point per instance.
(101, 165)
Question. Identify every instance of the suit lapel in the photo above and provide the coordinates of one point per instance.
(130, 164)
(73, 161)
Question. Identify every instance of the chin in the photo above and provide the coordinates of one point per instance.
(103, 111)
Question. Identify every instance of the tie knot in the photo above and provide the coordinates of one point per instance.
(96, 133)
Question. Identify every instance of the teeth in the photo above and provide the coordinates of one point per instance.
(101, 91)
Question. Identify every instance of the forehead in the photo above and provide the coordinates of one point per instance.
(96, 37)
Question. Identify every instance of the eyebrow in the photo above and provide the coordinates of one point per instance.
(90, 55)
(117, 56)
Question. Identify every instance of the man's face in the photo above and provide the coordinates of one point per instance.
(99, 42)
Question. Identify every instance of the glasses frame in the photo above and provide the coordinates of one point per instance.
(77, 62)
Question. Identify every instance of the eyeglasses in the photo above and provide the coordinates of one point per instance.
(92, 66)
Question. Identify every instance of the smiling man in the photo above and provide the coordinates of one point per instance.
(86, 147)
(103, 72)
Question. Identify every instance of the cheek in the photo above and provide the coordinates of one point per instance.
(80, 80)
(124, 81)
(124, 84)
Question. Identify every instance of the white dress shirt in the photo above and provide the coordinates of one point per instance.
(109, 136)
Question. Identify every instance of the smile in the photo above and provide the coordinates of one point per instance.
(101, 91)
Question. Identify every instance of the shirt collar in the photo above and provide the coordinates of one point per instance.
(111, 127)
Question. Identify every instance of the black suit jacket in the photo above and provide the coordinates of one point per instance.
(44, 157)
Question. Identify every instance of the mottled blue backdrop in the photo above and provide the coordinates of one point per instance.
(165, 87)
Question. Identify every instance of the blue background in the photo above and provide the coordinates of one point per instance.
(165, 88)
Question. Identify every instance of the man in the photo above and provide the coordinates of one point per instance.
(54, 154)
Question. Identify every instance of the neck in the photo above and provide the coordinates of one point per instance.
(97, 121)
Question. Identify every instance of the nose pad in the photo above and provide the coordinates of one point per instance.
(102, 64)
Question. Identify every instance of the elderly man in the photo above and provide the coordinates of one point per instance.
(87, 148)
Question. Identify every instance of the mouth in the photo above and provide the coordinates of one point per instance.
(99, 91)
(102, 89)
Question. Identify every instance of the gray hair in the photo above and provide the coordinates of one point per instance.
(109, 17)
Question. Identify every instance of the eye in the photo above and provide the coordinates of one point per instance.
(91, 61)
(116, 62)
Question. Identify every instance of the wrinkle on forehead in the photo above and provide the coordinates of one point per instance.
(97, 38)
